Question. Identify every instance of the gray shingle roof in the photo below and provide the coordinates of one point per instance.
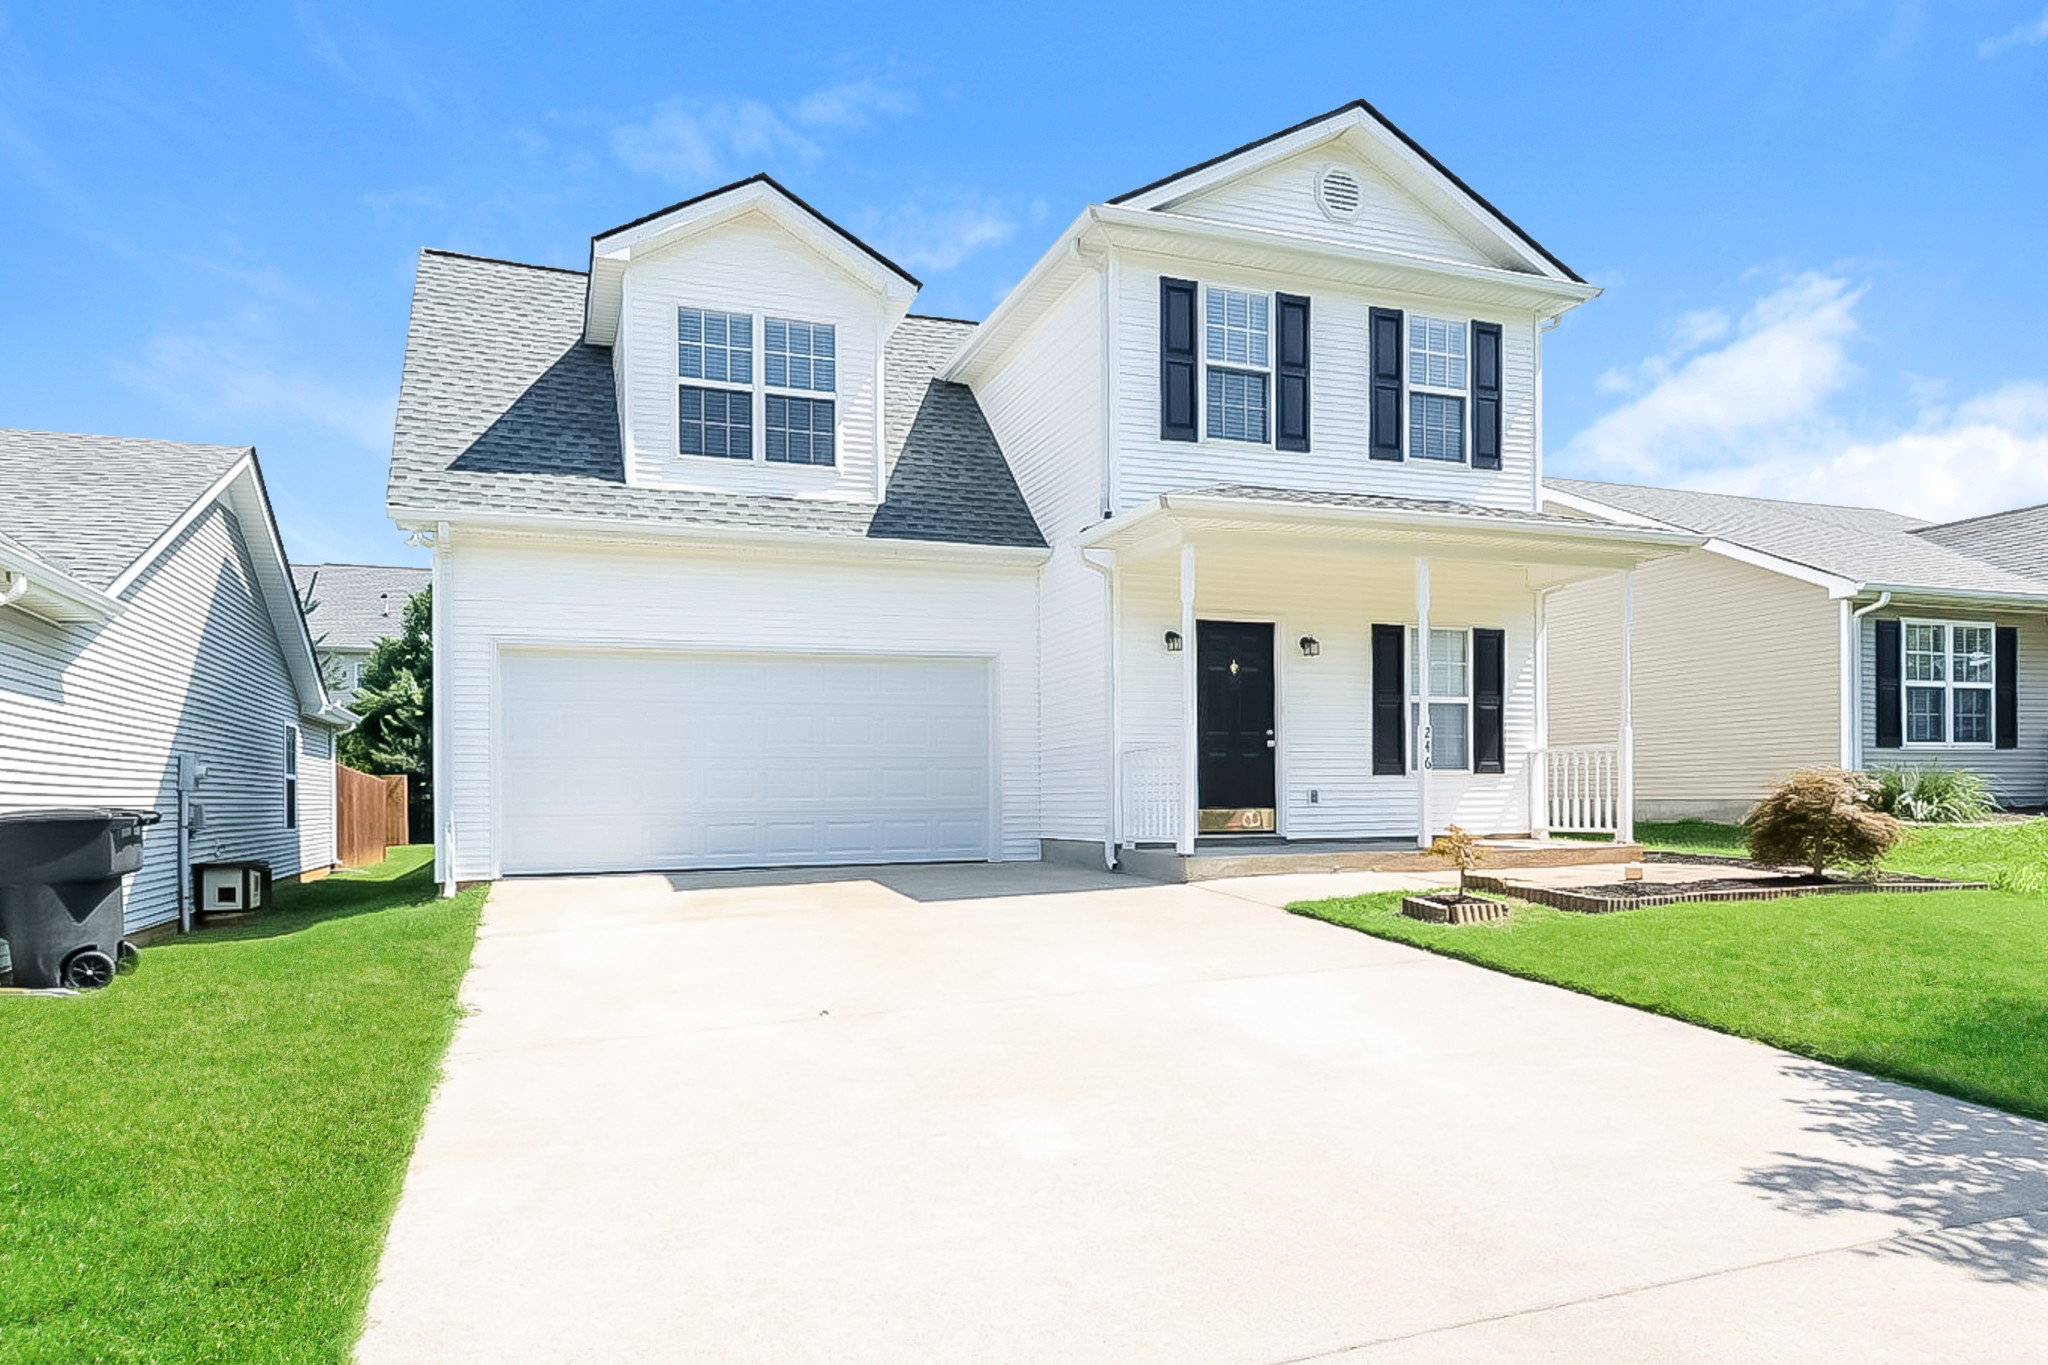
(504, 410)
(1864, 544)
(356, 605)
(90, 505)
(2016, 541)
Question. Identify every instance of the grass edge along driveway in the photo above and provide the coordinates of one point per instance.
(1945, 990)
(200, 1163)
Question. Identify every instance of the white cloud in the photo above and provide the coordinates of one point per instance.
(2026, 35)
(213, 376)
(937, 236)
(1753, 416)
(1786, 359)
(688, 142)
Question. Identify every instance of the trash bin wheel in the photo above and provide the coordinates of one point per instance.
(127, 957)
(88, 969)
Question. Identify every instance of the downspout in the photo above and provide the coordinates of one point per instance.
(1852, 669)
(1113, 814)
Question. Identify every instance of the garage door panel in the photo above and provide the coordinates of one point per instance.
(626, 760)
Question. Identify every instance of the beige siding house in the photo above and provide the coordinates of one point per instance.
(1802, 635)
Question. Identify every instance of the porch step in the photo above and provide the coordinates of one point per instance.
(1209, 864)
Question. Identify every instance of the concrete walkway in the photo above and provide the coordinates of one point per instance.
(1029, 1114)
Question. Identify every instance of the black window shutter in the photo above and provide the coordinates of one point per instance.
(2006, 660)
(1290, 372)
(1176, 360)
(1486, 395)
(1890, 718)
(1389, 700)
(1489, 689)
(1386, 384)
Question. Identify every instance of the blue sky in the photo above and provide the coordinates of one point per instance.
(1819, 226)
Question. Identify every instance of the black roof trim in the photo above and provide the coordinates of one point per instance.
(497, 260)
(1412, 145)
(760, 178)
(935, 317)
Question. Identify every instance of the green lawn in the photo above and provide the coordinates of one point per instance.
(1947, 990)
(199, 1163)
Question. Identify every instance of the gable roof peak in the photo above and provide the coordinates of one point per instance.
(1354, 114)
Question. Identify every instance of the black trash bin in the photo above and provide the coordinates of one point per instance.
(60, 893)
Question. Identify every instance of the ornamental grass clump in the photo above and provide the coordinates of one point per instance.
(1821, 818)
(1933, 796)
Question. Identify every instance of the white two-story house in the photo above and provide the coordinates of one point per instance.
(1225, 524)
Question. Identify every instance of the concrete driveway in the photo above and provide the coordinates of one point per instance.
(1027, 1114)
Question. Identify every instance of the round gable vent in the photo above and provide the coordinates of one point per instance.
(1338, 193)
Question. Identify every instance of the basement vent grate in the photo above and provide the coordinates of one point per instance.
(1338, 193)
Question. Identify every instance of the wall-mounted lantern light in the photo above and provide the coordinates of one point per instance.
(1310, 646)
(1173, 642)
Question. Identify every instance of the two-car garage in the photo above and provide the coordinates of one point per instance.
(650, 758)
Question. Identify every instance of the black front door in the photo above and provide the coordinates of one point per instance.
(1234, 717)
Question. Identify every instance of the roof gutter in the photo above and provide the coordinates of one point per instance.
(612, 530)
(42, 590)
(2034, 601)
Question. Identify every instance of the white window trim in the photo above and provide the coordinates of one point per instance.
(1409, 388)
(1418, 656)
(1948, 686)
(757, 401)
(1204, 365)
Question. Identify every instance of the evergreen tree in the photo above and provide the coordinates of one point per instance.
(396, 703)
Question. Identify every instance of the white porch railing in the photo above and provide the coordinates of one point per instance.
(1579, 790)
(1152, 812)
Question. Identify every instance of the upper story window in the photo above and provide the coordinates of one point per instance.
(1950, 672)
(715, 346)
(1239, 352)
(801, 355)
(1437, 379)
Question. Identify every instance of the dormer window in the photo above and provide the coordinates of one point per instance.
(800, 355)
(1436, 389)
(715, 422)
(1239, 352)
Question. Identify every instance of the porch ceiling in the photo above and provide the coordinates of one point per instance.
(1555, 549)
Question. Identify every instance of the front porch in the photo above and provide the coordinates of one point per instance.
(1267, 677)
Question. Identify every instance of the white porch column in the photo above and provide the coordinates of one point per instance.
(1191, 738)
(1420, 663)
(1625, 817)
(1539, 757)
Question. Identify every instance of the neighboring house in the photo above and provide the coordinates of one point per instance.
(1802, 635)
(354, 607)
(738, 562)
(149, 627)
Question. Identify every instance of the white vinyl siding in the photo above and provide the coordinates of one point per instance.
(1737, 679)
(1055, 451)
(96, 715)
(505, 595)
(1339, 325)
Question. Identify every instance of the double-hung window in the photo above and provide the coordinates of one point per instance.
(800, 356)
(1450, 699)
(1437, 380)
(1239, 354)
(1949, 677)
(715, 404)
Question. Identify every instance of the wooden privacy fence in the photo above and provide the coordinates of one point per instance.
(369, 815)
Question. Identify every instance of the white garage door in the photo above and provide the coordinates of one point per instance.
(632, 760)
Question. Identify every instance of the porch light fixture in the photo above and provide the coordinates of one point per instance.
(1173, 642)
(1310, 646)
